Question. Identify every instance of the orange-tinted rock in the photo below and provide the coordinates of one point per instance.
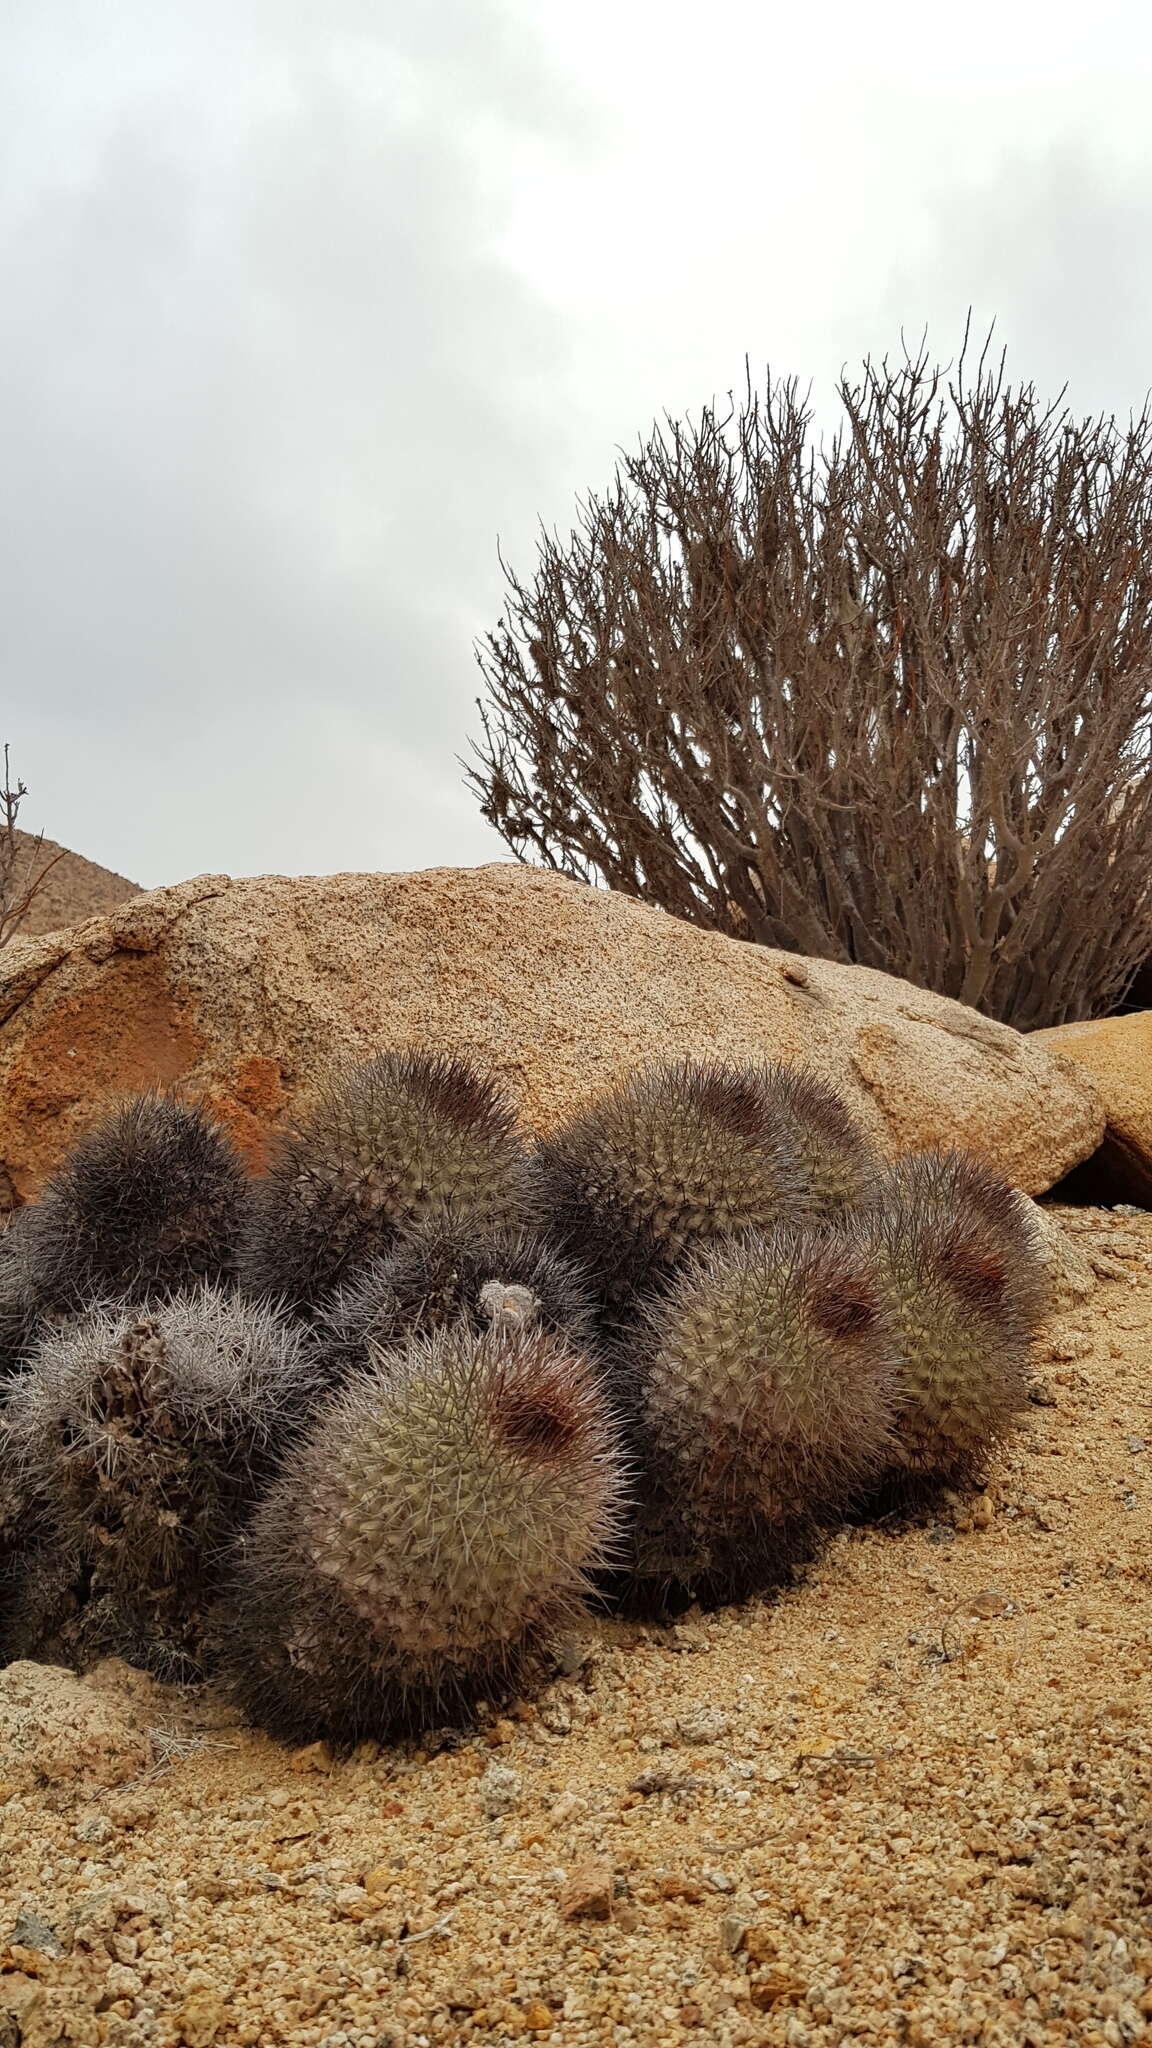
(588, 1893)
(1117, 1053)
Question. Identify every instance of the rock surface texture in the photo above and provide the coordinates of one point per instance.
(1117, 1053)
(241, 991)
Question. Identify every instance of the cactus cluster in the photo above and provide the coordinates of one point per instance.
(361, 1435)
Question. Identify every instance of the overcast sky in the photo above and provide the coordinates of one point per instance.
(305, 302)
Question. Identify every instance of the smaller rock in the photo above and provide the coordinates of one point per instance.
(760, 1945)
(588, 1893)
(685, 1888)
(315, 1756)
(988, 1603)
(733, 1932)
(93, 1829)
(34, 1933)
(200, 2019)
(719, 1880)
(500, 1790)
(536, 2016)
(688, 1640)
(21, 1998)
(777, 1987)
(462, 1997)
(702, 1725)
(123, 1982)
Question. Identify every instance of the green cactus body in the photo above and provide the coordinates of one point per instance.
(428, 1537)
(765, 1381)
(437, 1275)
(962, 1263)
(675, 1156)
(404, 1139)
(148, 1203)
(142, 1437)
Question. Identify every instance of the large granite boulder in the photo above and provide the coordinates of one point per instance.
(242, 990)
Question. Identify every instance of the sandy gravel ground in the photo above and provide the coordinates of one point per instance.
(909, 1802)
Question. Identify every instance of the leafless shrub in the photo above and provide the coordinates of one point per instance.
(22, 868)
(883, 700)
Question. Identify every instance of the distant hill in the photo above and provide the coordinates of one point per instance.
(73, 890)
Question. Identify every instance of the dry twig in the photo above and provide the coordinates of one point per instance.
(22, 873)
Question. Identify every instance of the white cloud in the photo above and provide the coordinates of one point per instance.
(304, 305)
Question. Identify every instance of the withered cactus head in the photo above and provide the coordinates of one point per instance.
(143, 1436)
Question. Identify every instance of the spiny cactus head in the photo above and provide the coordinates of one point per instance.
(389, 1143)
(436, 1526)
(677, 1154)
(147, 1203)
(841, 1161)
(492, 1483)
(962, 1260)
(17, 1300)
(446, 1273)
(995, 1235)
(767, 1376)
(144, 1433)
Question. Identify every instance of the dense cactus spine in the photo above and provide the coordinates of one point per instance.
(675, 1155)
(17, 1300)
(388, 1144)
(427, 1538)
(141, 1436)
(764, 1399)
(961, 1260)
(147, 1203)
(440, 1274)
(841, 1162)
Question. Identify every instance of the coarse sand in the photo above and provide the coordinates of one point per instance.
(908, 1801)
